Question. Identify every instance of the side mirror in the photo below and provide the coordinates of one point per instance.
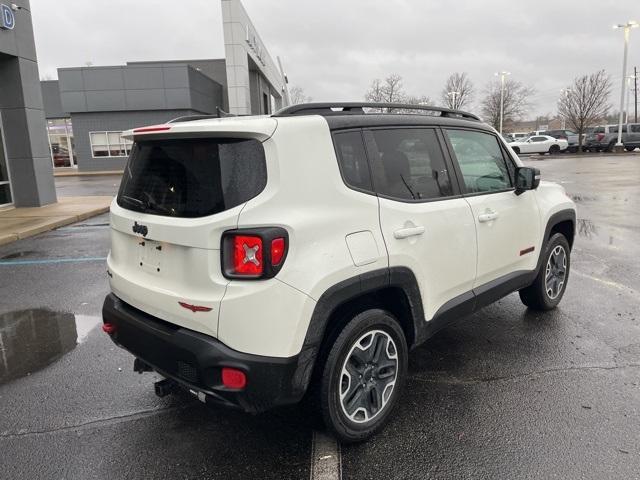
(527, 178)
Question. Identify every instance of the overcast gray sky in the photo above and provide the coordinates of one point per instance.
(333, 49)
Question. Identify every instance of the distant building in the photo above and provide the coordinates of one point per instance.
(88, 108)
(77, 120)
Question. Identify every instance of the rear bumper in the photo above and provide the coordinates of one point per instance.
(195, 360)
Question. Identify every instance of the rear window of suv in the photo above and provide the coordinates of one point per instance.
(192, 177)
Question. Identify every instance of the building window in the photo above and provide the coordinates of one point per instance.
(109, 144)
(61, 143)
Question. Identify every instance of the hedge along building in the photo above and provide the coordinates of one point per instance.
(88, 108)
(26, 178)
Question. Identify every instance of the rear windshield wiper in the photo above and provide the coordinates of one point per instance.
(135, 201)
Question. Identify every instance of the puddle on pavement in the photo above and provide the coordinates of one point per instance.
(578, 197)
(590, 231)
(586, 228)
(32, 339)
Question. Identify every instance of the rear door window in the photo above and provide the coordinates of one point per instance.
(409, 164)
(192, 177)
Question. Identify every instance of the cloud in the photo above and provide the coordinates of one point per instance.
(333, 49)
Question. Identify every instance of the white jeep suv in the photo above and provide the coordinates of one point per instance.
(259, 260)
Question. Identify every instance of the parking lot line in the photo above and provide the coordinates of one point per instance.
(325, 457)
(46, 261)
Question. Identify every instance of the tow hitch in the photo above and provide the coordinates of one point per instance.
(165, 387)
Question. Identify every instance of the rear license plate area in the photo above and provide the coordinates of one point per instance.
(150, 256)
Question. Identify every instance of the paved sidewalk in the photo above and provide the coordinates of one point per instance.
(18, 223)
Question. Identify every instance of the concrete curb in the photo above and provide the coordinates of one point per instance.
(579, 155)
(87, 174)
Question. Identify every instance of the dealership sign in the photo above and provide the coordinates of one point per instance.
(7, 19)
(255, 45)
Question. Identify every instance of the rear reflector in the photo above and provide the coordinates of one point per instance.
(109, 328)
(233, 378)
(277, 250)
(155, 128)
(247, 255)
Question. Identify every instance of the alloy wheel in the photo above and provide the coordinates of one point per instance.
(556, 272)
(368, 376)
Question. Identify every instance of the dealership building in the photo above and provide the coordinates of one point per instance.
(76, 122)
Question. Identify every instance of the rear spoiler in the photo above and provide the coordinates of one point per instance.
(260, 128)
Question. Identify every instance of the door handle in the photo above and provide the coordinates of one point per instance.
(488, 216)
(408, 232)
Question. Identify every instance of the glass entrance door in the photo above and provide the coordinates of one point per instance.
(5, 185)
(61, 142)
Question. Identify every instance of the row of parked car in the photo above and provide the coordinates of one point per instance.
(601, 138)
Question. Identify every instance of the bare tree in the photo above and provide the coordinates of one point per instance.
(298, 96)
(389, 90)
(585, 101)
(458, 91)
(516, 101)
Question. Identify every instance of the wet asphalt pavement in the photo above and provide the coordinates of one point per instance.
(506, 393)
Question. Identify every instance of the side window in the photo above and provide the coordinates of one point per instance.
(635, 128)
(481, 161)
(352, 159)
(410, 164)
(538, 139)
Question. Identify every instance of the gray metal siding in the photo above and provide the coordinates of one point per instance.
(84, 123)
(135, 88)
(22, 115)
(51, 99)
(215, 69)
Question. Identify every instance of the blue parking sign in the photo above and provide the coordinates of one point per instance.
(7, 18)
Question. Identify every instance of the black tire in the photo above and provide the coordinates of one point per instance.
(546, 295)
(516, 149)
(334, 383)
(629, 149)
(554, 149)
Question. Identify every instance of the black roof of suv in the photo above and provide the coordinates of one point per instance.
(353, 115)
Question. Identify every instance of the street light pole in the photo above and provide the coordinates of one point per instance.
(502, 75)
(454, 95)
(627, 28)
(635, 91)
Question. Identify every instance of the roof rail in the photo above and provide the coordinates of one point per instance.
(190, 118)
(357, 108)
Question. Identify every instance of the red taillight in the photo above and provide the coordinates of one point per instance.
(277, 250)
(233, 378)
(154, 128)
(109, 328)
(247, 255)
(253, 253)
